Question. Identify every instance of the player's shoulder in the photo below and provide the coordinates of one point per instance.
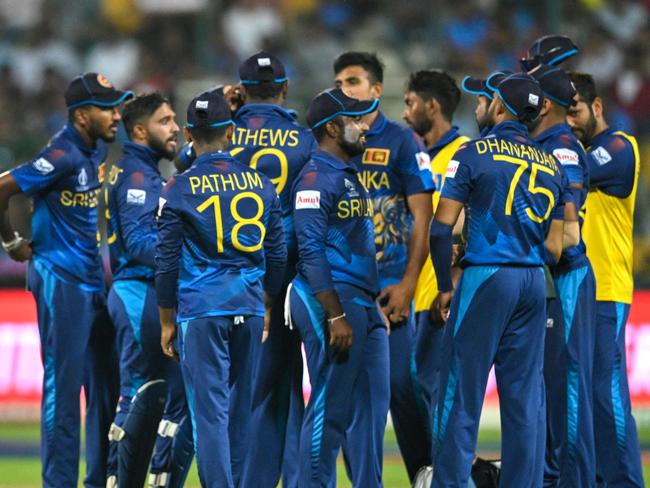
(614, 145)
(395, 129)
(567, 150)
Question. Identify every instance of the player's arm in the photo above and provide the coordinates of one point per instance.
(400, 295)
(612, 168)
(275, 255)
(311, 223)
(168, 254)
(554, 240)
(15, 246)
(135, 207)
(571, 229)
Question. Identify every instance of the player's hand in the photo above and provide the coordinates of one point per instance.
(340, 334)
(439, 311)
(22, 253)
(167, 336)
(457, 253)
(234, 96)
(396, 301)
(267, 324)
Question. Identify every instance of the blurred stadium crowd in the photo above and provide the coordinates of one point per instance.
(182, 46)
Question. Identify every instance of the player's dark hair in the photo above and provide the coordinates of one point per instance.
(265, 90)
(140, 108)
(208, 135)
(368, 61)
(437, 84)
(585, 86)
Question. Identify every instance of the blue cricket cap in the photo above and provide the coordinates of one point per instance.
(209, 109)
(262, 67)
(556, 84)
(93, 89)
(521, 94)
(333, 102)
(484, 87)
(551, 50)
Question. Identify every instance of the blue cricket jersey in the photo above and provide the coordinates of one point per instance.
(512, 190)
(64, 183)
(611, 162)
(133, 187)
(393, 166)
(333, 219)
(268, 139)
(567, 150)
(221, 240)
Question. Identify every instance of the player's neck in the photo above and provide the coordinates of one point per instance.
(601, 126)
(332, 147)
(83, 133)
(438, 129)
(551, 120)
(266, 101)
(202, 148)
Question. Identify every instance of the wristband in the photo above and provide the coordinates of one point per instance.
(334, 319)
(12, 244)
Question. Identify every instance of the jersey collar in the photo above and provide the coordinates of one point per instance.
(446, 138)
(553, 131)
(597, 140)
(72, 134)
(211, 157)
(332, 161)
(143, 153)
(266, 109)
(509, 128)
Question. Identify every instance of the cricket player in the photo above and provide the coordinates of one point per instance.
(65, 275)
(396, 171)
(332, 299)
(569, 343)
(220, 262)
(431, 98)
(133, 187)
(268, 138)
(511, 188)
(613, 160)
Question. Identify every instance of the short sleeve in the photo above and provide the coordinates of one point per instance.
(53, 163)
(458, 178)
(414, 165)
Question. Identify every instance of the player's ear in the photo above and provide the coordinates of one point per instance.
(230, 131)
(376, 89)
(285, 90)
(546, 107)
(332, 128)
(186, 134)
(432, 107)
(597, 107)
(139, 132)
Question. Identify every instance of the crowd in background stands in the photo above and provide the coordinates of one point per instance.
(139, 46)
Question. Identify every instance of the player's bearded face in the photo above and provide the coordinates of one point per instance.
(485, 113)
(415, 114)
(582, 120)
(103, 122)
(353, 136)
(162, 131)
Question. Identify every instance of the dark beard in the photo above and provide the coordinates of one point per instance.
(587, 134)
(352, 149)
(422, 126)
(159, 147)
(95, 133)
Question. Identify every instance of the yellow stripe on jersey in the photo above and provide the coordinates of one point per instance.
(607, 232)
(427, 286)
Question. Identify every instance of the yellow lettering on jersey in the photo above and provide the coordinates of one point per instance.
(376, 156)
(481, 147)
(355, 207)
(374, 180)
(215, 183)
(113, 174)
(87, 199)
(265, 138)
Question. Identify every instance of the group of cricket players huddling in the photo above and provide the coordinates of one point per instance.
(402, 263)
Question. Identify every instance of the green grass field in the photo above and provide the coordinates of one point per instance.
(24, 472)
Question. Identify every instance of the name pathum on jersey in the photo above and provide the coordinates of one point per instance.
(221, 226)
